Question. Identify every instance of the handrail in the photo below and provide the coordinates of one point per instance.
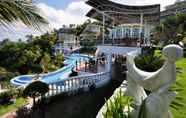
(75, 84)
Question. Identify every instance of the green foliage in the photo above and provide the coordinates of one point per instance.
(184, 52)
(149, 63)
(35, 89)
(26, 57)
(59, 58)
(45, 61)
(20, 10)
(171, 30)
(88, 45)
(80, 28)
(9, 108)
(73, 74)
(6, 96)
(142, 112)
(178, 102)
(117, 107)
(179, 111)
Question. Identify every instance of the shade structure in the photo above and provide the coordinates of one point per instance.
(121, 14)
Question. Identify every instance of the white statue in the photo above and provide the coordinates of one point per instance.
(157, 103)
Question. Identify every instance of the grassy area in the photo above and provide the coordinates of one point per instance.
(181, 80)
(7, 108)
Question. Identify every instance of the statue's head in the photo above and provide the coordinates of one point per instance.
(172, 52)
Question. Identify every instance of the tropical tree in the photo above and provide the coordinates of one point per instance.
(35, 89)
(59, 58)
(10, 53)
(13, 11)
(171, 30)
(80, 28)
(29, 38)
(45, 61)
(32, 54)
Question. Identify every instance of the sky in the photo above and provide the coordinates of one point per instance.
(60, 12)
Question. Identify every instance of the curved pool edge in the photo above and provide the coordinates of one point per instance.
(63, 72)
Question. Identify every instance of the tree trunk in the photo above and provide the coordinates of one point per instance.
(34, 101)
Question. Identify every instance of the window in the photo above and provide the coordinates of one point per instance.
(135, 33)
(118, 33)
(127, 32)
(142, 33)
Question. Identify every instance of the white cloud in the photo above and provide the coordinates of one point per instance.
(73, 14)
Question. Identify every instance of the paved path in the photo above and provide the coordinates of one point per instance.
(11, 114)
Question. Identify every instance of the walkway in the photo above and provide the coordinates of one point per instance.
(116, 50)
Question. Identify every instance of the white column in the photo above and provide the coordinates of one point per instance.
(122, 30)
(113, 35)
(131, 32)
(103, 38)
(113, 32)
(146, 33)
(109, 61)
(141, 24)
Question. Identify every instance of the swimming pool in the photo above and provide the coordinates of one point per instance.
(62, 73)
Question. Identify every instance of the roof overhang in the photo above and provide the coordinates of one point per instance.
(120, 14)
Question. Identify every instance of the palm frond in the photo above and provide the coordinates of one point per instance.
(12, 11)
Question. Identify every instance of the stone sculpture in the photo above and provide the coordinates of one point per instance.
(158, 83)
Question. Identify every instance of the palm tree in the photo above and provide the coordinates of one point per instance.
(13, 11)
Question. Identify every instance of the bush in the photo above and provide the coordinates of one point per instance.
(149, 63)
(73, 74)
(115, 108)
(184, 52)
(5, 97)
(88, 49)
(35, 89)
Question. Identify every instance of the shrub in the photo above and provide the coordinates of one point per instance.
(116, 108)
(36, 89)
(184, 52)
(5, 97)
(149, 63)
(73, 74)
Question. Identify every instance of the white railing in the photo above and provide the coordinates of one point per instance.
(79, 83)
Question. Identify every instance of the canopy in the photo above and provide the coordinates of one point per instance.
(120, 14)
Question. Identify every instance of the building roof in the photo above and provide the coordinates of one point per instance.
(174, 8)
(66, 30)
(121, 14)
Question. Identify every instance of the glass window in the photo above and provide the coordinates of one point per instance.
(119, 33)
(127, 32)
(124, 34)
(142, 33)
(135, 33)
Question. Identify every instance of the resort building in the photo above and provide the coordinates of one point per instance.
(178, 7)
(66, 40)
(128, 25)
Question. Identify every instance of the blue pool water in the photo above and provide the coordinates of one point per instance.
(55, 76)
